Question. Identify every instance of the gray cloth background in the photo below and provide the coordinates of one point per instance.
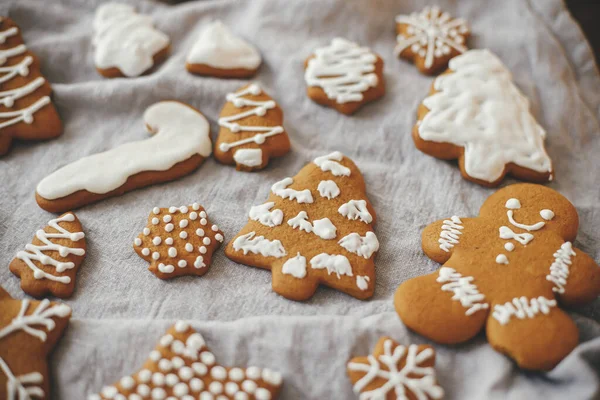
(120, 309)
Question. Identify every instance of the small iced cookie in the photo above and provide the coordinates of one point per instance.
(476, 114)
(180, 143)
(127, 44)
(344, 76)
(26, 111)
(430, 39)
(182, 367)
(50, 263)
(251, 130)
(219, 52)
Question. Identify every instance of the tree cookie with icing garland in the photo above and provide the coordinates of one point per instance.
(344, 76)
(49, 264)
(26, 110)
(315, 228)
(29, 330)
(251, 130)
(178, 241)
(180, 143)
(182, 367)
(219, 52)
(126, 43)
(507, 271)
(476, 114)
(430, 39)
(395, 371)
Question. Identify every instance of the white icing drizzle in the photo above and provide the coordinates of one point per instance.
(24, 114)
(399, 381)
(37, 252)
(363, 246)
(463, 289)
(22, 387)
(521, 308)
(323, 228)
(559, 270)
(179, 132)
(248, 157)
(478, 107)
(449, 235)
(335, 263)
(431, 34)
(534, 227)
(328, 189)
(295, 266)
(301, 222)
(343, 70)
(41, 316)
(362, 282)
(7, 33)
(260, 109)
(281, 189)
(266, 217)
(356, 209)
(259, 245)
(329, 163)
(507, 233)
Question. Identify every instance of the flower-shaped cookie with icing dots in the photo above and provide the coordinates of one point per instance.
(507, 271)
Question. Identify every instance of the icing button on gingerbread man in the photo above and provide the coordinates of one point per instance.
(507, 271)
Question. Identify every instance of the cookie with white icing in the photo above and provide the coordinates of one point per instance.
(49, 264)
(29, 330)
(182, 367)
(476, 114)
(251, 130)
(126, 43)
(26, 109)
(344, 76)
(315, 228)
(180, 143)
(221, 53)
(507, 272)
(178, 241)
(430, 38)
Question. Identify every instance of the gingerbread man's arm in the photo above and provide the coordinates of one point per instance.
(574, 275)
(441, 238)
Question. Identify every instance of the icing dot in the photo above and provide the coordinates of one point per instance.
(200, 232)
(259, 138)
(509, 246)
(155, 221)
(186, 373)
(240, 396)
(107, 391)
(167, 218)
(165, 365)
(196, 206)
(137, 242)
(169, 227)
(253, 373)
(206, 396)
(501, 259)
(182, 264)
(249, 386)
(262, 394)
(144, 375)
(183, 209)
(203, 221)
(146, 231)
(199, 368)
(207, 358)
(155, 355)
(158, 394)
(199, 263)
(178, 347)
(214, 228)
(157, 240)
(202, 214)
(119, 396)
(38, 274)
(196, 384)
(271, 377)
(156, 210)
(206, 241)
(167, 269)
(172, 252)
(127, 382)
(236, 374)
(143, 390)
(158, 379)
(172, 209)
(155, 255)
(219, 237)
(180, 390)
(193, 215)
(183, 223)
(231, 388)
(171, 380)
(215, 387)
(177, 362)
(169, 241)
(189, 248)
(166, 340)
(513, 204)
(195, 341)
(202, 249)
(145, 251)
(183, 234)
(218, 373)
(547, 214)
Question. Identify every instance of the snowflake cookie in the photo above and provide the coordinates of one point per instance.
(315, 228)
(506, 271)
(178, 241)
(430, 38)
(49, 264)
(182, 367)
(395, 371)
(477, 115)
(29, 330)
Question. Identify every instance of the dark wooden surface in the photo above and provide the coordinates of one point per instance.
(587, 13)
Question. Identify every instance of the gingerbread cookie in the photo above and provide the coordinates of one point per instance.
(29, 330)
(219, 52)
(344, 76)
(180, 143)
(127, 44)
(251, 130)
(395, 371)
(182, 367)
(430, 38)
(178, 241)
(315, 228)
(506, 271)
(477, 115)
(26, 111)
(49, 264)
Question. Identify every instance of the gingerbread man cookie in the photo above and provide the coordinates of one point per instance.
(49, 264)
(180, 143)
(182, 367)
(178, 241)
(219, 52)
(477, 115)
(430, 38)
(127, 44)
(395, 371)
(507, 271)
(344, 76)
(315, 228)
(29, 330)
(251, 130)
(26, 111)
